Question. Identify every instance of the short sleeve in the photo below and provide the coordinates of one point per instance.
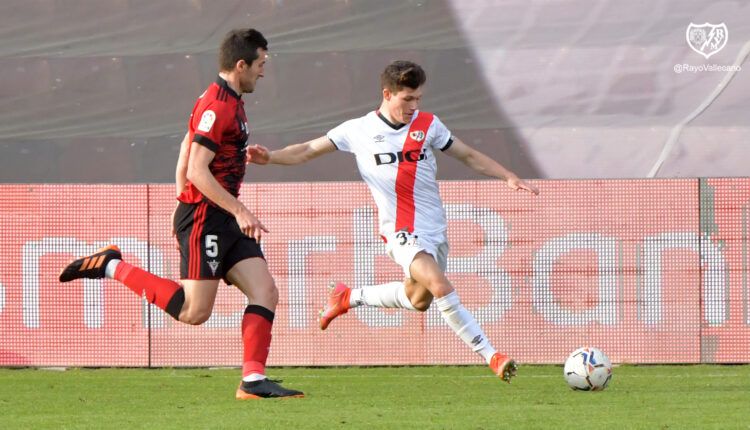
(441, 136)
(209, 124)
(339, 136)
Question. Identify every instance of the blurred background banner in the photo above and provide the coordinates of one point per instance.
(101, 91)
(651, 271)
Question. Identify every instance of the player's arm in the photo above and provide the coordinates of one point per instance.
(293, 154)
(180, 174)
(484, 165)
(182, 165)
(198, 174)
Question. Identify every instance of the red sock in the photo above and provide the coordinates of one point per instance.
(164, 293)
(256, 339)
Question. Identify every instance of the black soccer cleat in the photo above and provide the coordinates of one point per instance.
(263, 389)
(91, 267)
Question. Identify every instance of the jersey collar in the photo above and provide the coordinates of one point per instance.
(390, 124)
(223, 84)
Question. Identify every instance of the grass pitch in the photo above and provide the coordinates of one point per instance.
(647, 397)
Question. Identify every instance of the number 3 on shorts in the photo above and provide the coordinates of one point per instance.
(405, 237)
(212, 246)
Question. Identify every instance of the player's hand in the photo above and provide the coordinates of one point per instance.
(518, 184)
(257, 154)
(250, 225)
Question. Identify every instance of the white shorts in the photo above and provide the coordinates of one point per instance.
(403, 246)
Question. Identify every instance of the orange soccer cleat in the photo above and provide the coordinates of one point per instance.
(503, 366)
(91, 267)
(338, 304)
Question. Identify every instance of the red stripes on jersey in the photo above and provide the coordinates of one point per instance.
(194, 262)
(407, 172)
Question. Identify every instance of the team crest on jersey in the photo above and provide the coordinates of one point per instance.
(207, 121)
(417, 135)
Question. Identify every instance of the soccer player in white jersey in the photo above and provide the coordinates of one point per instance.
(395, 149)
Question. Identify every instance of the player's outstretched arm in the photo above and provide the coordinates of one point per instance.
(292, 154)
(484, 165)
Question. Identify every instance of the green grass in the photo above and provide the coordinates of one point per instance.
(648, 397)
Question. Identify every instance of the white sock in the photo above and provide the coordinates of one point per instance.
(253, 377)
(463, 323)
(390, 295)
(109, 271)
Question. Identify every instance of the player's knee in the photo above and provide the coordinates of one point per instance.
(440, 288)
(267, 293)
(422, 305)
(197, 317)
(272, 293)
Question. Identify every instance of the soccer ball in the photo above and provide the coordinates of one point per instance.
(587, 369)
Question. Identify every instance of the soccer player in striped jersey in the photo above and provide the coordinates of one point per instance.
(395, 148)
(218, 236)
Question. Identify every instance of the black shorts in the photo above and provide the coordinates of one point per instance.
(211, 242)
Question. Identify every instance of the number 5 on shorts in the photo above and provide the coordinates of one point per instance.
(212, 246)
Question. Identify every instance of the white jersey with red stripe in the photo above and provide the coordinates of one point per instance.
(398, 164)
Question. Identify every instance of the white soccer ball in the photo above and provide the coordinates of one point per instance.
(587, 369)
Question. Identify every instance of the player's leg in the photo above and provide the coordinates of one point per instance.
(388, 295)
(419, 296)
(199, 230)
(199, 233)
(341, 298)
(426, 272)
(251, 276)
(406, 294)
(200, 296)
(107, 263)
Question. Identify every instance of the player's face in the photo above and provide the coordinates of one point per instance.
(403, 104)
(251, 73)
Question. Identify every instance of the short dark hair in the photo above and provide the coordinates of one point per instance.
(240, 44)
(400, 74)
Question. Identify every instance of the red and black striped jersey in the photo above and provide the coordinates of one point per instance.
(218, 122)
